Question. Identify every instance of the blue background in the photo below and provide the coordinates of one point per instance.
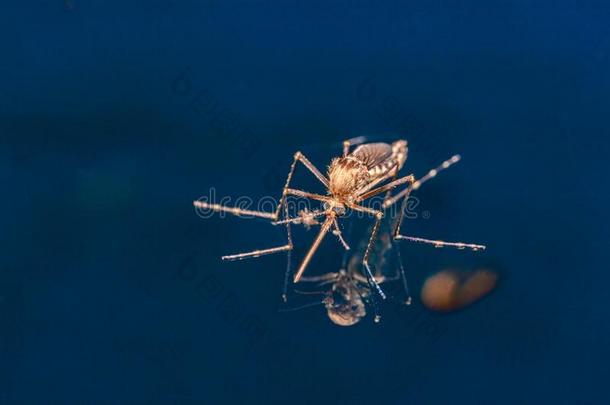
(114, 116)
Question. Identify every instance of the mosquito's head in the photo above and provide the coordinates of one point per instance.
(346, 175)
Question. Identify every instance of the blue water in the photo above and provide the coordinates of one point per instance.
(114, 116)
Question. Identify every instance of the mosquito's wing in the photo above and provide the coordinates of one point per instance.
(373, 154)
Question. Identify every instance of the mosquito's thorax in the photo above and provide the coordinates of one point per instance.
(349, 174)
(346, 175)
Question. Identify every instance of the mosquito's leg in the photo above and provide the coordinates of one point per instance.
(305, 194)
(407, 179)
(323, 231)
(273, 216)
(436, 243)
(392, 173)
(400, 271)
(256, 253)
(441, 243)
(430, 175)
(299, 157)
(405, 193)
(233, 210)
(416, 185)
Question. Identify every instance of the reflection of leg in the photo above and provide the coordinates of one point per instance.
(400, 272)
(403, 274)
(367, 253)
(365, 261)
(288, 257)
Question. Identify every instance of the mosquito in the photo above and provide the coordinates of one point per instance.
(358, 175)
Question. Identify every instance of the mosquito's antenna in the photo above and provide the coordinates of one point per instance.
(311, 304)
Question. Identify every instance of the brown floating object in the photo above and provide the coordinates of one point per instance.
(450, 290)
